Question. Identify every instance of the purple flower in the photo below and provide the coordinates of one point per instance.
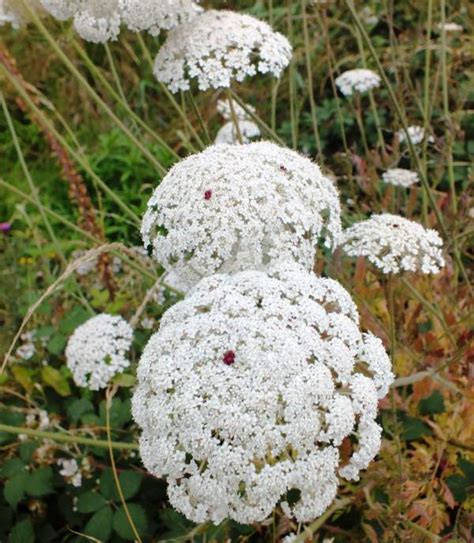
(5, 227)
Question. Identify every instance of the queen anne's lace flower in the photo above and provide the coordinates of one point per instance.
(237, 207)
(219, 46)
(157, 15)
(250, 387)
(8, 15)
(97, 350)
(450, 27)
(400, 177)
(358, 80)
(395, 244)
(415, 133)
(228, 132)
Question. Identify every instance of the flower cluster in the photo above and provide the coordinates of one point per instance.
(237, 207)
(400, 177)
(100, 21)
(415, 133)
(450, 27)
(70, 471)
(395, 244)
(8, 15)
(357, 81)
(218, 46)
(250, 387)
(97, 350)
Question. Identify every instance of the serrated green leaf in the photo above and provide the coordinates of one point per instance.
(55, 379)
(40, 482)
(89, 502)
(11, 467)
(121, 523)
(78, 408)
(22, 532)
(14, 488)
(100, 525)
(73, 319)
(432, 405)
(130, 482)
(56, 344)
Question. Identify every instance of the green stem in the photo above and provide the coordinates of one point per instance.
(78, 156)
(67, 438)
(82, 80)
(235, 120)
(309, 531)
(291, 83)
(309, 72)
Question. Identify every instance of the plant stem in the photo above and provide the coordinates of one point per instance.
(235, 120)
(309, 72)
(309, 531)
(67, 438)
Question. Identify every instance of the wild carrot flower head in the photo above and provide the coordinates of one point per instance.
(400, 177)
(236, 207)
(395, 244)
(415, 133)
(97, 350)
(250, 387)
(217, 47)
(359, 80)
(157, 15)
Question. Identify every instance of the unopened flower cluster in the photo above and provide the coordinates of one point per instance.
(250, 387)
(237, 207)
(97, 350)
(395, 244)
(217, 47)
(359, 80)
(399, 177)
(100, 21)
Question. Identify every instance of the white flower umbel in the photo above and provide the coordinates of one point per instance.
(415, 133)
(395, 244)
(157, 15)
(237, 207)
(97, 350)
(400, 177)
(228, 133)
(70, 471)
(8, 15)
(217, 47)
(450, 27)
(250, 387)
(223, 107)
(359, 80)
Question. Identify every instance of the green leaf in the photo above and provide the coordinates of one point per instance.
(89, 502)
(459, 486)
(432, 405)
(130, 482)
(14, 488)
(107, 485)
(22, 532)
(73, 319)
(77, 408)
(124, 380)
(55, 379)
(468, 469)
(56, 344)
(27, 449)
(40, 482)
(23, 376)
(413, 428)
(100, 525)
(121, 523)
(11, 467)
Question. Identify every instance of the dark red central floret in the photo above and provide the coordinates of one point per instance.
(229, 358)
(208, 195)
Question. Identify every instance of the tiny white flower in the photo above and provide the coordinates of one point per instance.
(217, 47)
(395, 244)
(248, 390)
(238, 207)
(450, 27)
(97, 350)
(70, 471)
(400, 177)
(359, 80)
(415, 133)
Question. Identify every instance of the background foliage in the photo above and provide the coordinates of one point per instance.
(114, 118)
